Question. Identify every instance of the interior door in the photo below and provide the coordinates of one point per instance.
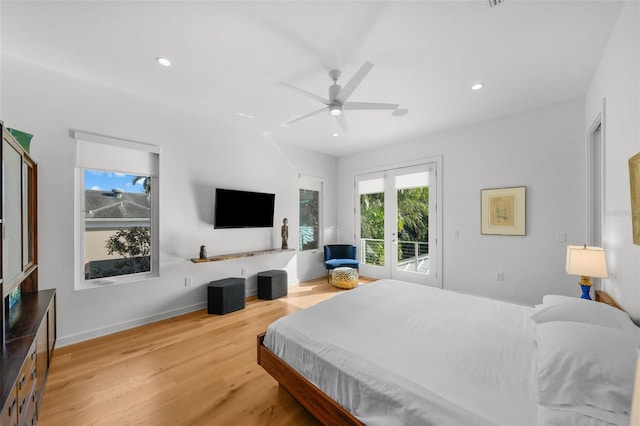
(396, 215)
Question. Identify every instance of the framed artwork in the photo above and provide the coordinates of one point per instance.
(634, 180)
(503, 211)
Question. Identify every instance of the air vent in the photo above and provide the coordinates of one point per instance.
(495, 2)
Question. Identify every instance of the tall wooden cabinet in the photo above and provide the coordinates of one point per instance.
(28, 315)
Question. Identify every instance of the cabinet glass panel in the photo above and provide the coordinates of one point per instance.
(12, 190)
(28, 215)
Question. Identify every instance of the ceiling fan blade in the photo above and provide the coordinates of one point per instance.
(311, 114)
(304, 92)
(354, 82)
(369, 105)
(342, 122)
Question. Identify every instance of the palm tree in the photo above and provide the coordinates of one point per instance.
(146, 182)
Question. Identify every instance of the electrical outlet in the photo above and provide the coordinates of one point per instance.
(561, 237)
(500, 276)
(187, 281)
(243, 271)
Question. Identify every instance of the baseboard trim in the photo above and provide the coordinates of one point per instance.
(126, 325)
(62, 341)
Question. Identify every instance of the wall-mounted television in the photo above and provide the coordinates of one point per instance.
(243, 209)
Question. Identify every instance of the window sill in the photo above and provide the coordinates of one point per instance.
(112, 281)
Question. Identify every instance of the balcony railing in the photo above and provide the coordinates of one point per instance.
(412, 255)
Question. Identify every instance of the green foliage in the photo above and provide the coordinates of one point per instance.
(372, 216)
(413, 214)
(131, 242)
(372, 226)
(413, 221)
(146, 182)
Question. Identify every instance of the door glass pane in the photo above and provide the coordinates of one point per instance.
(413, 222)
(372, 221)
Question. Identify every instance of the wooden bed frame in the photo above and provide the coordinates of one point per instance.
(322, 407)
(603, 297)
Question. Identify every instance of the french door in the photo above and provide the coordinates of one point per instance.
(396, 223)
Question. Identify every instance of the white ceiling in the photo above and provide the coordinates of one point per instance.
(229, 56)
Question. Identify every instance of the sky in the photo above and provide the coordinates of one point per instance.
(106, 181)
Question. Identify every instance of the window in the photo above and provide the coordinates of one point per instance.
(309, 232)
(116, 211)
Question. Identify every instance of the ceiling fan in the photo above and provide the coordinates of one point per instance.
(338, 96)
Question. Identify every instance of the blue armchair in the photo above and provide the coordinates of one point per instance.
(340, 255)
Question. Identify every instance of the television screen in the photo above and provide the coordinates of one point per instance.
(243, 209)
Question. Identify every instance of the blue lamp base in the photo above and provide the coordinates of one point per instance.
(585, 292)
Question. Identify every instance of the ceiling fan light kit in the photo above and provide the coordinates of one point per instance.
(335, 110)
(338, 97)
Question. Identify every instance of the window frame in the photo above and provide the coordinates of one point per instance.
(79, 206)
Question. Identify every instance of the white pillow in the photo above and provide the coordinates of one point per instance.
(563, 308)
(586, 365)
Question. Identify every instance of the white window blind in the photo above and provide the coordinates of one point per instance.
(105, 153)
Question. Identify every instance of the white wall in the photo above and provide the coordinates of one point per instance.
(543, 150)
(197, 153)
(617, 80)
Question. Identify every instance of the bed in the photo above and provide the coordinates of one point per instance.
(393, 352)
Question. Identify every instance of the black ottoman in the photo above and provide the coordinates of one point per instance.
(272, 284)
(224, 296)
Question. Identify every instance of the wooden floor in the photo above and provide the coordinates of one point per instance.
(196, 369)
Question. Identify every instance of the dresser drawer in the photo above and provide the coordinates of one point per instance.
(10, 410)
(30, 416)
(26, 386)
(27, 375)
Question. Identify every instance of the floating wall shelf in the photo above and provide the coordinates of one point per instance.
(240, 255)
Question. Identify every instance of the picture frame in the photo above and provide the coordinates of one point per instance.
(634, 181)
(503, 211)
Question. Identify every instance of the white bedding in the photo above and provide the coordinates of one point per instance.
(396, 353)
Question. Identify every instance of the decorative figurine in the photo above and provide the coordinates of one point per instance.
(203, 252)
(284, 232)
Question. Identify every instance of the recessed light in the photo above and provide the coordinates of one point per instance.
(163, 61)
(477, 86)
(334, 134)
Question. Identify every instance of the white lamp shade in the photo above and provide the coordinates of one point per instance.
(586, 261)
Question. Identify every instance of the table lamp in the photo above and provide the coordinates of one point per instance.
(586, 262)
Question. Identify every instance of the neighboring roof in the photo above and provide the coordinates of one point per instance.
(116, 205)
